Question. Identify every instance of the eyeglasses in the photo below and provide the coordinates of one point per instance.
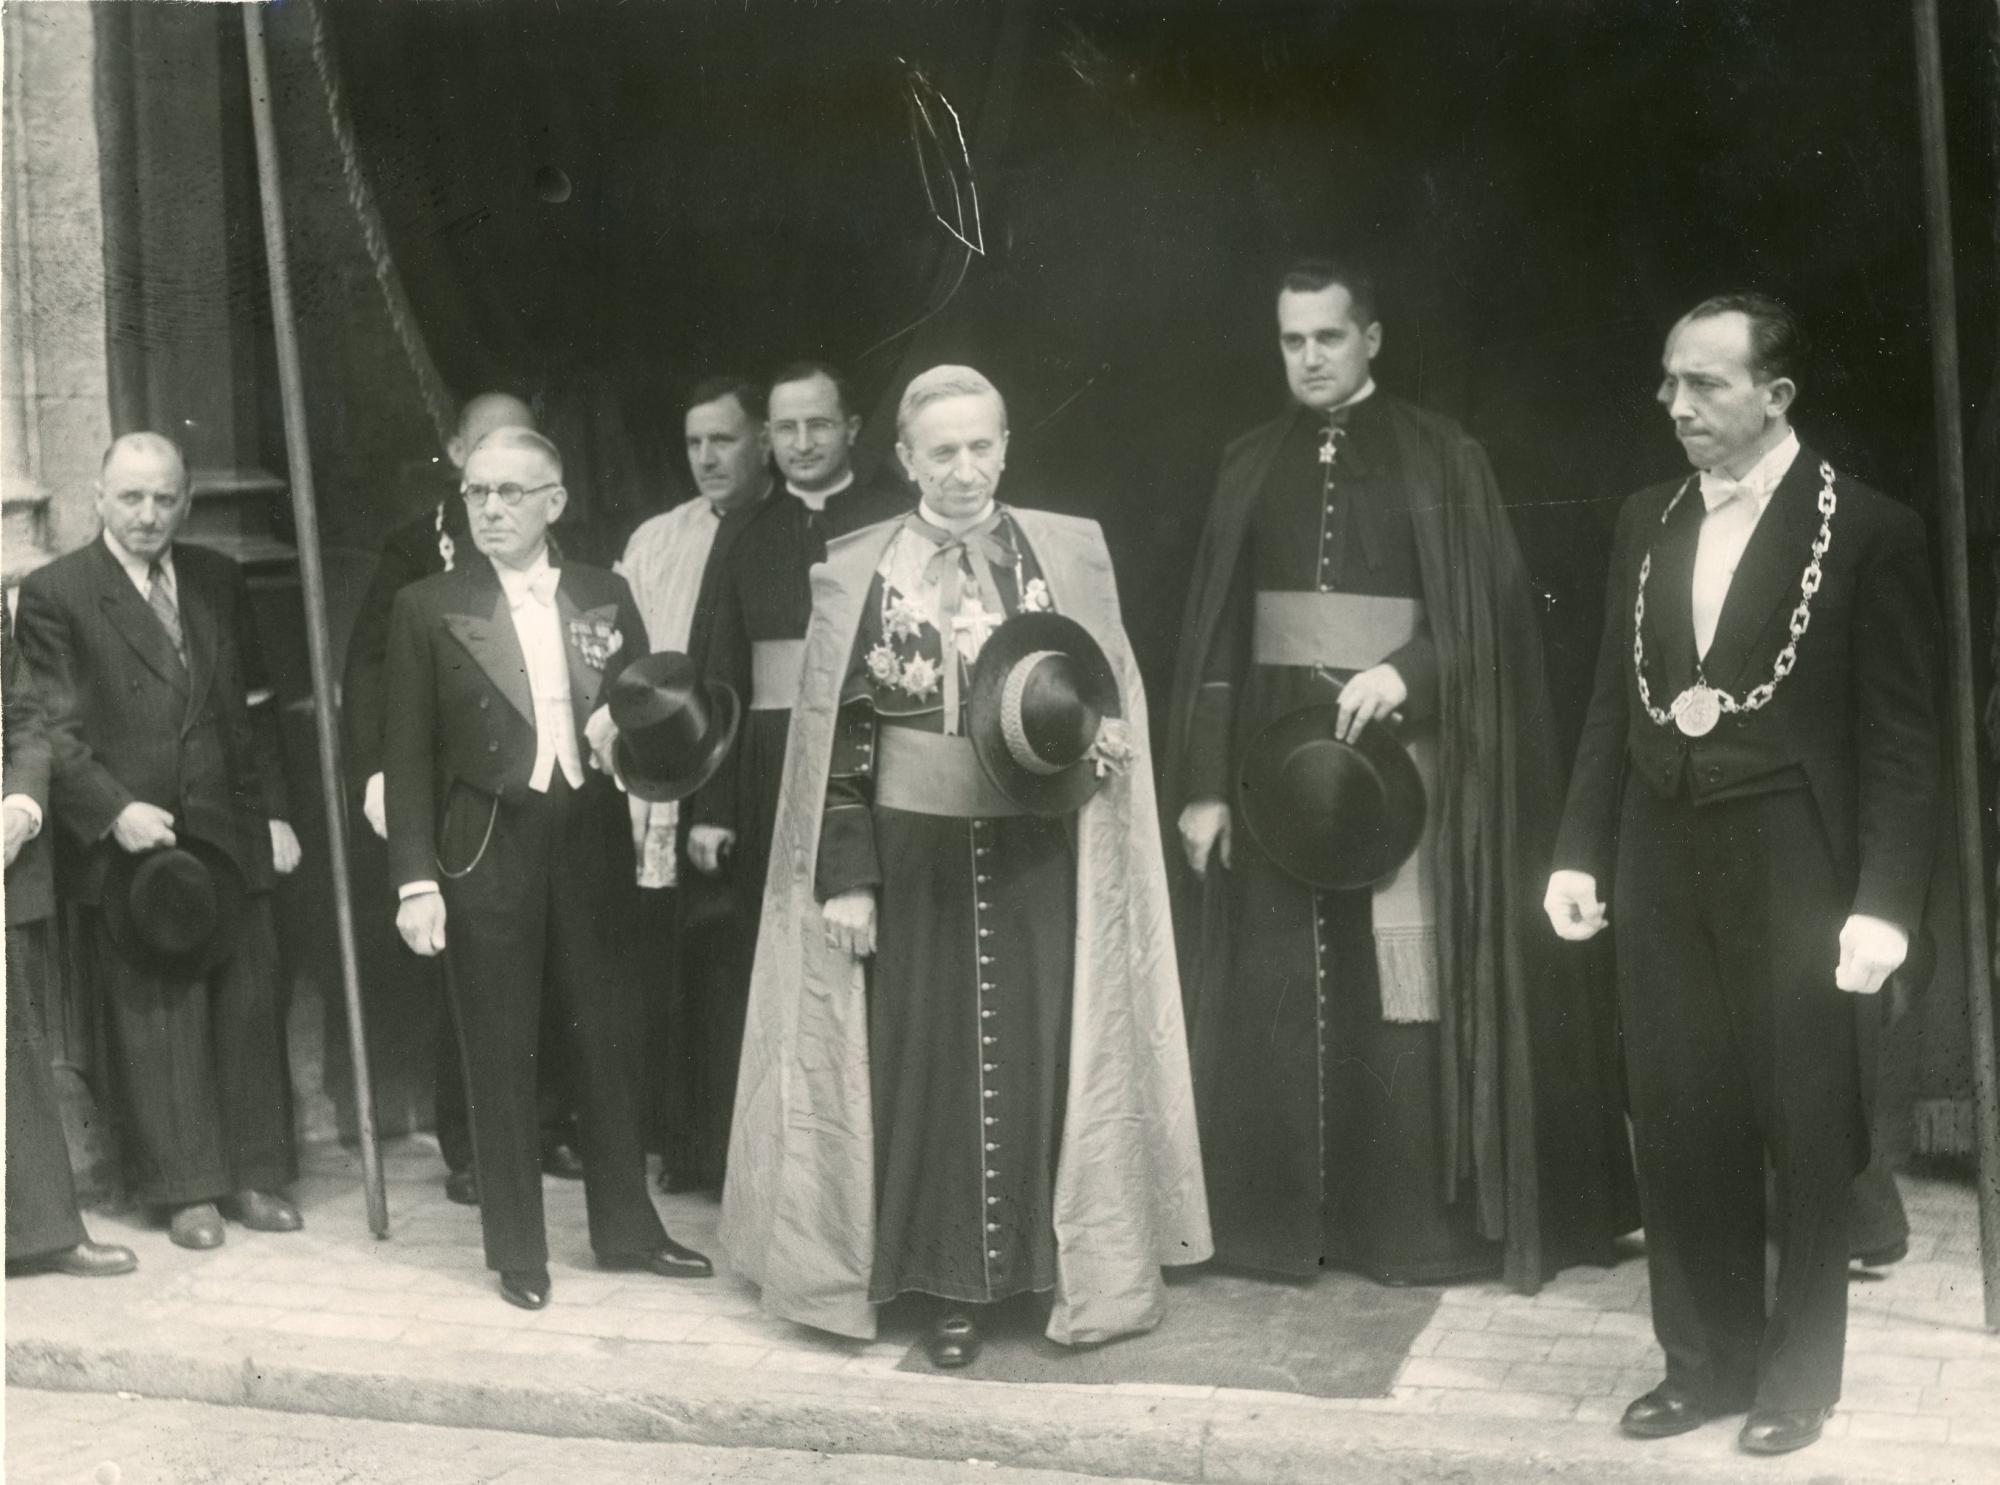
(510, 495)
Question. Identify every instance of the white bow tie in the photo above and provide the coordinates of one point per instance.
(1718, 490)
(539, 587)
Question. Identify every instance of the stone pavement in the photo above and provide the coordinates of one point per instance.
(1498, 1386)
(95, 1438)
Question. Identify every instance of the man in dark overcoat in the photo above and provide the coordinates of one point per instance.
(1757, 793)
(44, 1231)
(145, 650)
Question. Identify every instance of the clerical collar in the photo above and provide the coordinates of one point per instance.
(1367, 391)
(817, 499)
(959, 526)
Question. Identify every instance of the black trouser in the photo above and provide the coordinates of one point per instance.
(202, 1071)
(541, 909)
(1739, 1044)
(555, 1095)
(41, 1194)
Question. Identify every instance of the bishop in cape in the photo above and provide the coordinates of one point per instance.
(964, 1072)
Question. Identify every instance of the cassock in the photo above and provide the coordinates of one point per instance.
(763, 599)
(1005, 1107)
(1408, 1086)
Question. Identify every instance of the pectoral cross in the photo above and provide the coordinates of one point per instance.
(976, 621)
(1329, 443)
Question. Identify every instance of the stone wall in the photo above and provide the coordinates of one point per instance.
(54, 407)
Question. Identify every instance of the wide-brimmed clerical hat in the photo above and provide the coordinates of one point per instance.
(1335, 815)
(174, 911)
(1042, 693)
(674, 730)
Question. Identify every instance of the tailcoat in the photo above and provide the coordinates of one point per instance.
(538, 886)
(1730, 862)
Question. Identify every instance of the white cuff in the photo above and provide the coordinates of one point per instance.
(414, 889)
(25, 803)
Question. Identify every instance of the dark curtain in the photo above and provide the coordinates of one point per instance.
(599, 202)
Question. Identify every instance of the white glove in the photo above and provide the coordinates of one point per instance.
(1871, 949)
(1572, 905)
(373, 807)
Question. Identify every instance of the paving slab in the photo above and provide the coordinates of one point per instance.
(411, 1330)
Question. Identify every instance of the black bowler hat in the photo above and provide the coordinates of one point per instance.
(673, 731)
(175, 910)
(1042, 691)
(1333, 814)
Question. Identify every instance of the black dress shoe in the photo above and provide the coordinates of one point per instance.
(670, 1261)
(953, 1340)
(260, 1211)
(462, 1186)
(87, 1260)
(1665, 1411)
(526, 1287)
(1781, 1430)
(1884, 1256)
(198, 1225)
(559, 1158)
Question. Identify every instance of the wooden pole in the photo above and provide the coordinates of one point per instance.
(1958, 639)
(298, 455)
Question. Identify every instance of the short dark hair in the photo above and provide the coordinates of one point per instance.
(1310, 275)
(1778, 346)
(728, 384)
(805, 371)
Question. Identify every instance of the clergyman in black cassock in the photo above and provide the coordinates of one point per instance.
(763, 600)
(1758, 786)
(1392, 1080)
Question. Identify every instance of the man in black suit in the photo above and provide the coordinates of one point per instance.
(44, 1232)
(499, 825)
(1758, 780)
(431, 542)
(145, 650)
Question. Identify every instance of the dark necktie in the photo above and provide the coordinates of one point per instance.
(161, 602)
(984, 549)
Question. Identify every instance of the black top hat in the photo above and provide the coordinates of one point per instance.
(174, 911)
(1333, 814)
(1041, 690)
(673, 730)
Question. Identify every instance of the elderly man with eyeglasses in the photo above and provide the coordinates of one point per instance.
(512, 854)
